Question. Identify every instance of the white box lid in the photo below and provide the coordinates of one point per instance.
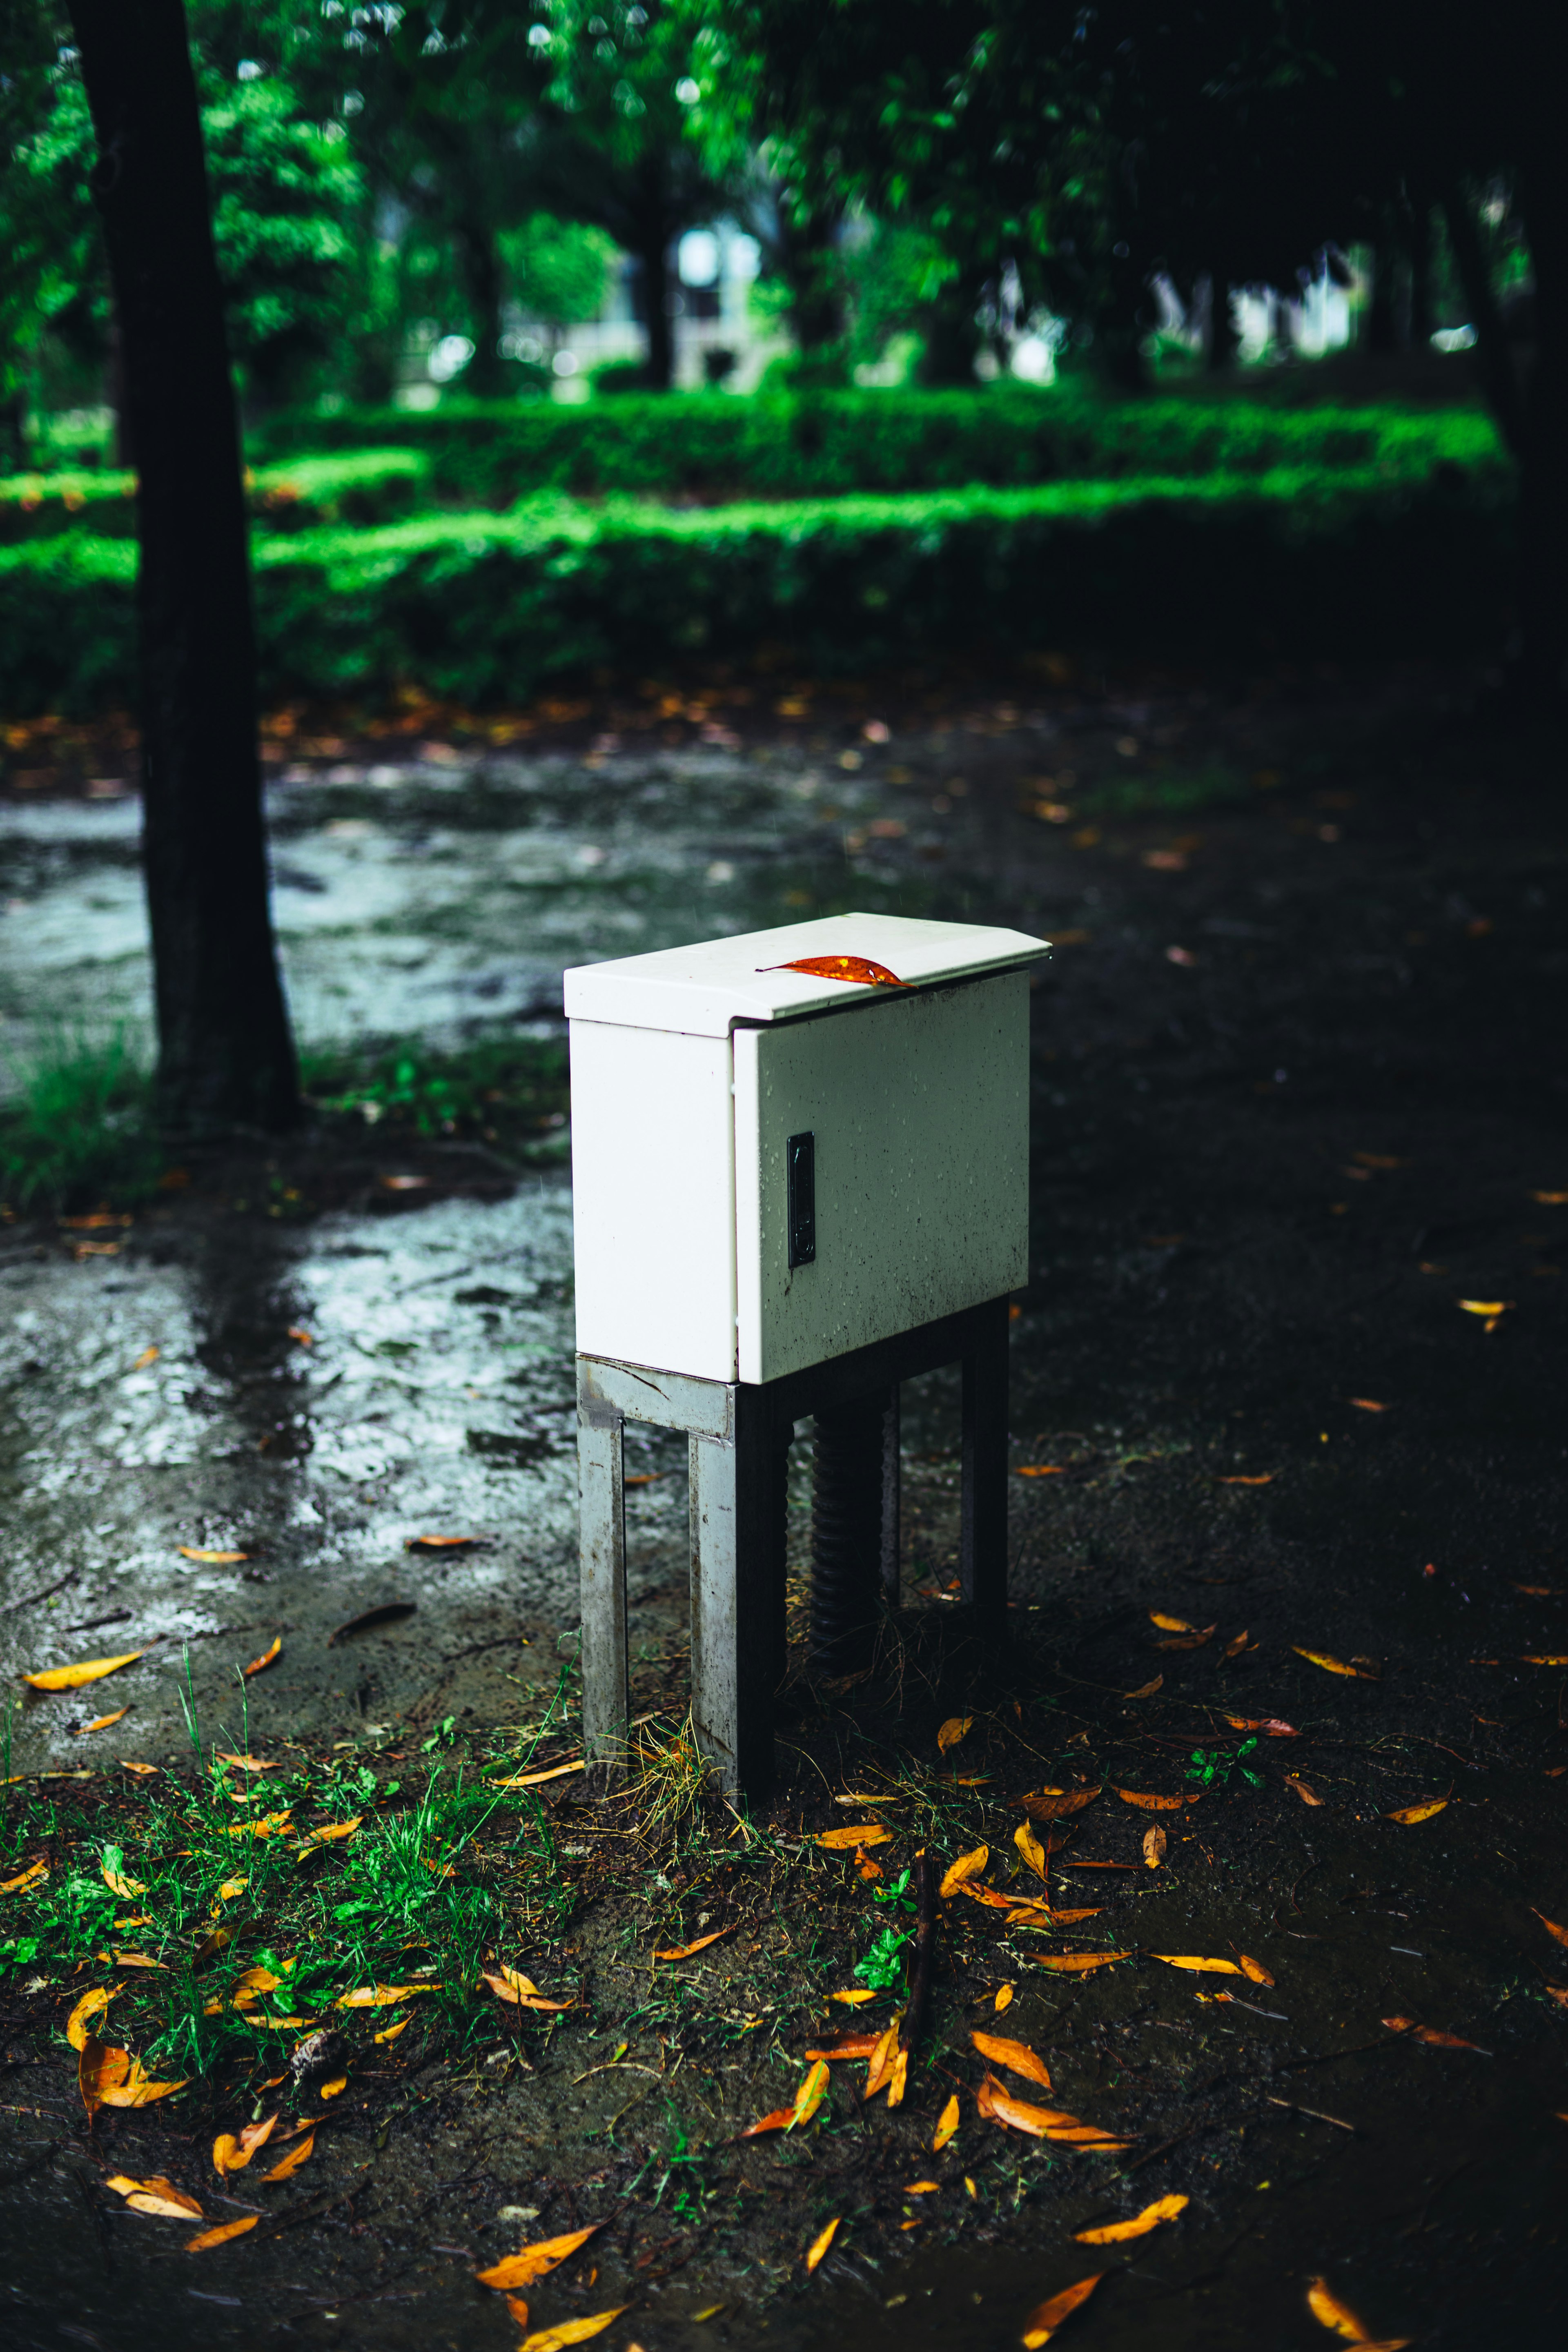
(703, 990)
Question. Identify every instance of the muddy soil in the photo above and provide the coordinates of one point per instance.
(1300, 1102)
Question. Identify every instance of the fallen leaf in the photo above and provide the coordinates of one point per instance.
(148, 1356)
(91, 1670)
(157, 2196)
(1017, 2056)
(841, 1841)
(1308, 1795)
(860, 969)
(1551, 1200)
(849, 2045)
(385, 1612)
(518, 2308)
(1041, 1470)
(382, 1995)
(444, 1543)
(1422, 1813)
(1146, 1690)
(330, 1832)
(1043, 2322)
(947, 2124)
(100, 2069)
(1255, 1969)
(1194, 1961)
(391, 2032)
(257, 1665)
(232, 2151)
(1030, 1849)
(571, 2331)
(1235, 1649)
(224, 2230)
(853, 1999)
(967, 1866)
(1532, 1662)
(1431, 2035)
(779, 2119)
(90, 2005)
(298, 1332)
(1003, 1997)
(1271, 1723)
(1366, 1404)
(684, 1951)
(335, 2088)
(293, 2161)
(522, 2269)
(950, 1733)
(1068, 1919)
(35, 1871)
(1492, 1306)
(1053, 1804)
(1171, 1624)
(1073, 1963)
(406, 1183)
(810, 2095)
(1152, 1804)
(1357, 1670)
(819, 2245)
(213, 1559)
(879, 2072)
(1330, 2312)
(118, 1883)
(247, 1763)
(101, 1722)
(1551, 1926)
(522, 1991)
(1164, 2209)
(534, 1780)
(1195, 1641)
(124, 2085)
(1264, 1478)
(122, 1960)
(1154, 1847)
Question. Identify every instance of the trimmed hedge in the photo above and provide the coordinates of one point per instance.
(368, 485)
(484, 608)
(822, 445)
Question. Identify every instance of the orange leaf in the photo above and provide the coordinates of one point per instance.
(1073, 1963)
(860, 969)
(157, 2196)
(947, 2124)
(1053, 1804)
(779, 2120)
(89, 2006)
(1551, 1926)
(1366, 1404)
(443, 1543)
(1146, 1690)
(1017, 2056)
(853, 1999)
(330, 1832)
(684, 1951)
(1041, 1470)
(518, 2308)
(126, 1766)
(1271, 1723)
(534, 1780)
(1422, 1813)
(224, 2230)
(1154, 1847)
(35, 1871)
(1172, 1624)
(1152, 1804)
(1044, 2322)
(1357, 1670)
(950, 1733)
(1191, 1960)
(1330, 2312)
(522, 2269)
(842, 1841)
(247, 1763)
(819, 2245)
(520, 1990)
(1255, 1969)
(298, 1332)
(1164, 2209)
(997, 2104)
(1265, 1478)
(102, 1722)
(293, 2161)
(100, 2068)
(1030, 1849)
(214, 1558)
(91, 1670)
(570, 2331)
(967, 1866)
(383, 1996)
(391, 2032)
(1431, 2035)
(232, 2153)
(849, 2045)
(257, 1665)
(1308, 1796)
(879, 2072)
(1003, 1997)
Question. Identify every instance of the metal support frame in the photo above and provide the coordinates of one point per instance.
(740, 1437)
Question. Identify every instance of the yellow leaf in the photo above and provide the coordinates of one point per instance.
(967, 1866)
(684, 1951)
(1189, 1960)
(819, 2245)
(247, 1763)
(510, 1985)
(1004, 1997)
(127, 1765)
(148, 1356)
(102, 1722)
(35, 1871)
(133, 2089)
(1074, 1963)
(810, 2095)
(1171, 1624)
(1052, 1804)
(92, 2004)
(383, 1996)
(947, 2124)
(118, 1883)
(157, 2196)
(1043, 2323)
(879, 2072)
(852, 2000)
(391, 2032)
(294, 2160)
(1154, 1847)
(1330, 2312)
(1334, 1666)
(91, 1670)
(952, 1731)
(1042, 1469)
(534, 1780)
(1030, 1848)
(213, 1559)
(334, 2089)
(224, 2230)
(1255, 1969)
(331, 1833)
(842, 1841)
(267, 1826)
(1152, 1804)
(1015, 2055)
(232, 2152)
(1166, 2209)
(255, 1666)
(1422, 1813)
(1484, 1306)
(522, 2269)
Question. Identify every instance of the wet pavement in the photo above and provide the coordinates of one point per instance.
(1300, 1093)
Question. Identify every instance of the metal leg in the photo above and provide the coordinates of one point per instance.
(983, 1559)
(603, 1655)
(891, 1469)
(737, 1595)
(847, 1532)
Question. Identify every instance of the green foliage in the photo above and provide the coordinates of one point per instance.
(513, 1090)
(883, 1966)
(558, 270)
(1207, 1767)
(79, 1128)
(363, 485)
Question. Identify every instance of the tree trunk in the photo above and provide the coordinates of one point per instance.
(1543, 476)
(1491, 335)
(225, 1056)
(485, 374)
(1382, 331)
(1223, 339)
(1421, 315)
(653, 252)
(817, 293)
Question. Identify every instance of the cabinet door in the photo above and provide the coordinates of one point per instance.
(917, 1108)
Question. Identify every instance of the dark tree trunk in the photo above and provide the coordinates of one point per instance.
(1491, 335)
(1381, 325)
(485, 372)
(225, 1056)
(1421, 315)
(1544, 478)
(1223, 339)
(817, 293)
(653, 252)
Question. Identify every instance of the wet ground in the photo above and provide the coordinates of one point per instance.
(1300, 1093)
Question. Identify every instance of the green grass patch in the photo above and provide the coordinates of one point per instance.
(80, 1128)
(512, 1092)
(356, 487)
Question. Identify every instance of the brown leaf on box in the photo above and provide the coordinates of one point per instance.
(858, 969)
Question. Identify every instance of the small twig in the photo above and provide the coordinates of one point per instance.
(925, 1954)
(1163, 2149)
(29, 1598)
(1316, 2112)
